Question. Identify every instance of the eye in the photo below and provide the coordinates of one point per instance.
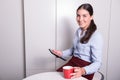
(78, 15)
(84, 15)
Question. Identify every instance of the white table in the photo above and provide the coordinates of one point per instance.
(50, 76)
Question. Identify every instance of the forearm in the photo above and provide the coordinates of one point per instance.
(92, 68)
(67, 52)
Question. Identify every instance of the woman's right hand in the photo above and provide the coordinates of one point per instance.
(57, 52)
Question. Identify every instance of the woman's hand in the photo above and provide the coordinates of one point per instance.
(57, 52)
(78, 72)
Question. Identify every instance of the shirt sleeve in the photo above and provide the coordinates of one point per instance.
(67, 52)
(96, 54)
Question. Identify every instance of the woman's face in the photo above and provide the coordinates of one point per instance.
(83, 18)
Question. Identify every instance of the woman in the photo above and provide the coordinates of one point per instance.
(87, 45)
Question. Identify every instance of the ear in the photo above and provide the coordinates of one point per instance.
(91, 18)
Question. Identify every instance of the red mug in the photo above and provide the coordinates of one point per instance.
(67, 70)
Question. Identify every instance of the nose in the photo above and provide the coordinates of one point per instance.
(79, 18)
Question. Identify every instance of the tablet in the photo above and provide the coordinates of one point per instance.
(57, 55)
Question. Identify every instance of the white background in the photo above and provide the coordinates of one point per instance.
(25, 38)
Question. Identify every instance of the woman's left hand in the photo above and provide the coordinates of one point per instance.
(78, 72)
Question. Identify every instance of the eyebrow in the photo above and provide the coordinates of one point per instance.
(79, 14)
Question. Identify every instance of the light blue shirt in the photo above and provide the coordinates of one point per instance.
(91, 51)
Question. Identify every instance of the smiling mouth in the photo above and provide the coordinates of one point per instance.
(80, 23)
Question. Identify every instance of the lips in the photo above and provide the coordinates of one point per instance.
(81, 23)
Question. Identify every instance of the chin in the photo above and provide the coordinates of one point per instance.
(81, 26)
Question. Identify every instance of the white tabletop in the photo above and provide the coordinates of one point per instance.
(50, 76)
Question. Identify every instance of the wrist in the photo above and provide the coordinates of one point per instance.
(83, 71)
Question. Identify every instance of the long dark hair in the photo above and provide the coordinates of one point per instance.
(92, 27)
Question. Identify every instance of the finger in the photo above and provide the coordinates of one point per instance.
(72, 74)
(75, 67)
(73, 77)
(54, 51)
(76, 70)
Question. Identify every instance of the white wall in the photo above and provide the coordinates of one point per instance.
(55, 18)
(11, 40)
(114, 45)
(39, 35)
